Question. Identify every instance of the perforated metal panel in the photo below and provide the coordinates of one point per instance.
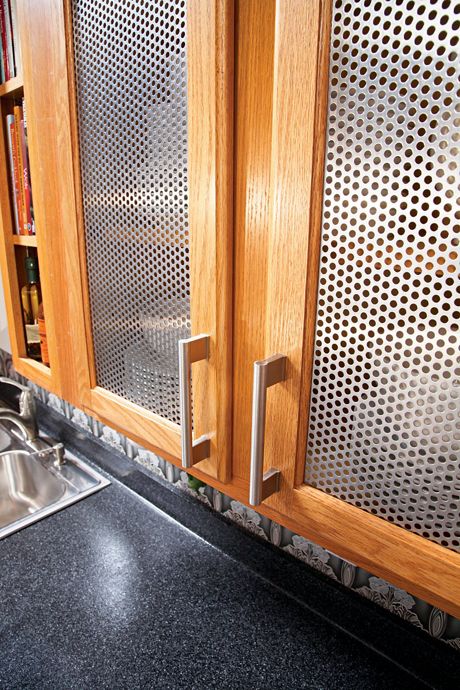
(131, 79)
(384, 430)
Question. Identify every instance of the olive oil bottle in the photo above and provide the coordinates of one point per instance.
(31, 299)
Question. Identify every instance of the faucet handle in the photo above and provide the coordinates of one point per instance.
(57, 450)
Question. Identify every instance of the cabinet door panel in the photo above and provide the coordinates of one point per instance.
(384, 427)
(47, 135)
(153, 139)
(274, 143)
(362, 290)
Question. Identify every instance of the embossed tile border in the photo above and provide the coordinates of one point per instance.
(432, 620)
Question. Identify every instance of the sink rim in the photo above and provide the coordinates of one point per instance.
(13, 451)
(27, 486)
(71, 461)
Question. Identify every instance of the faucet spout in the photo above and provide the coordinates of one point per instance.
(25, 420)
(28, 430)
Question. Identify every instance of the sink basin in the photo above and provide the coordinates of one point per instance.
(5, 440)
(32, 487)
(25, 486)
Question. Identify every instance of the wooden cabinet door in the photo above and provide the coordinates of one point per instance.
(150, 108)
(348, 265)
(42, 90)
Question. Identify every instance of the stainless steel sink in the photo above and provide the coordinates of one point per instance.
(37, 476)
(25, 486)
(6, 441)
(33, 486)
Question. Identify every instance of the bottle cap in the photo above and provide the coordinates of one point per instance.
(31, 266)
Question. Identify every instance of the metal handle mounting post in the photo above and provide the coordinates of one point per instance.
(191, 350)
(267, 372)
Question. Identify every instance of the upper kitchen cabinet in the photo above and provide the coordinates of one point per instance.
(298, 158)
(348, 281)
(151, 102)
(32, 212)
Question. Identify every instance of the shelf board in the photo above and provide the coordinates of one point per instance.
(10, 87)
(31, 369)
(25, 240)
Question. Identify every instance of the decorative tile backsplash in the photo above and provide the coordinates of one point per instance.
(424, 616)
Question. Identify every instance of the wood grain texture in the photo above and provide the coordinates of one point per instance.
(37, 48)
(210, 110)
(294, 90)
(407, 560)
(210, 168)
(139, 425)
(278, 135)
(276, 88)
(84, 352)
(12, 87)
(11, 259)
(42, 32)
(24, 240)
(225, 92)
(35, 371)
(314, 240)
(255, 29)
(11, 287)
(281, 302)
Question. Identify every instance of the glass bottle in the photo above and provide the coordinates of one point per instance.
(42, 334)
(31, 301)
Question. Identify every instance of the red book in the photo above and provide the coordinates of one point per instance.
(14, 164)
(6, 64)
(17, 138)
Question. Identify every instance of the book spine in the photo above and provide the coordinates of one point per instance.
(27, 178)
(13, 168)
(17, 132)
(2, 69)
(17, 176)
(16, 44)
(9, 37)
(26, 181)
(4, 41)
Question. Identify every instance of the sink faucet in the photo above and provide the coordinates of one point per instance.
(26, 422)
(24, 419)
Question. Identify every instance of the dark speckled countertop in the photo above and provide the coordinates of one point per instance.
(115, 593)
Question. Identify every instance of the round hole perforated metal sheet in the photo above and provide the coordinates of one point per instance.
(131, 83)
(384, 427)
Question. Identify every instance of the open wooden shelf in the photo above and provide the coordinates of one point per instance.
(25, 240)
(34, 370)
(11, 87)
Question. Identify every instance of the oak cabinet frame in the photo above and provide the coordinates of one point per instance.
(257, 102)
(210, 178)
(285, 212)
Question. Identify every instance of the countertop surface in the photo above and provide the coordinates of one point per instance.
(112, 592)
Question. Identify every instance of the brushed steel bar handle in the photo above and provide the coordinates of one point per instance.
(191, 350)
(267, 372)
